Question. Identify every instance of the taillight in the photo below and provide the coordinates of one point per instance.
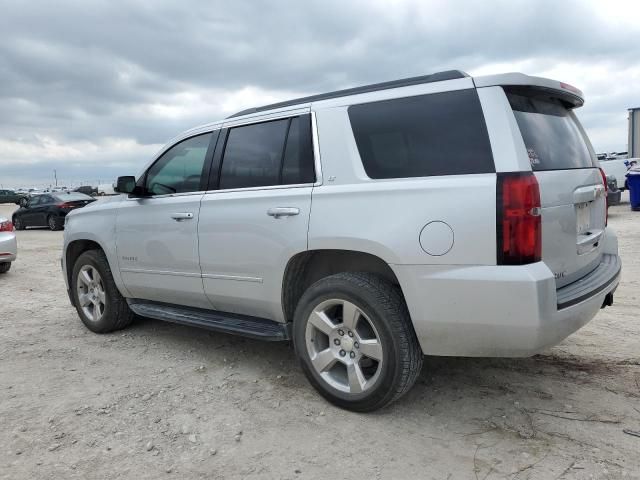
(66, 205)
(606, 197)
(6, 226)
(519, 222)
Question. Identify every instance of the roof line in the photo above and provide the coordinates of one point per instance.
(434, 77)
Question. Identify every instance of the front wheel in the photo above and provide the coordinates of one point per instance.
(354, 339)
(100, 305)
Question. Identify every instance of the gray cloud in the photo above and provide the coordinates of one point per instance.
(86, 73)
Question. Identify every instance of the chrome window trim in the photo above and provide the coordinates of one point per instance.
(316, 149)
(168, 195)
(279, 116)
(266, 117)
(264, 187)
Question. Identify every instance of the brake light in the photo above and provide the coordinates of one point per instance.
(66, 205)
(606, 197)
(571, 88)
(6, 226)
(519, 222)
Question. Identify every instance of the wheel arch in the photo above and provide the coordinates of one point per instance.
(77, 247)
(306, 268)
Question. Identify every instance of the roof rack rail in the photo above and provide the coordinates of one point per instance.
(404, 82)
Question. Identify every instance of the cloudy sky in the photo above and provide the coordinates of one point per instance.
(94, 88)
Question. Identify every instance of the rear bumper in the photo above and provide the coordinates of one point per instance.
(501, 311)
(8, 247)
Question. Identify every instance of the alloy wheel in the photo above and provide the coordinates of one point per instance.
(91, 293)
(344, 346)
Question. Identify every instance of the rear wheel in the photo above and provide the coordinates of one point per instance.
(5, 267)
(354, 339)
(55, 223)
(100, 305)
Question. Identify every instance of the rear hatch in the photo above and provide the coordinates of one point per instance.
(572, 193)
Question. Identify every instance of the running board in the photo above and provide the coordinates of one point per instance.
(252, 327)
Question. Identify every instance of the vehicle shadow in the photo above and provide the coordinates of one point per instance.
(443, 380)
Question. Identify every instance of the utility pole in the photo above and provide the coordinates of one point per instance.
(55, 175)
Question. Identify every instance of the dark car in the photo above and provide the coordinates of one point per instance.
(48, 209)
(9, 196)
(87, 190)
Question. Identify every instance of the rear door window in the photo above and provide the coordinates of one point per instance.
(551, 133)
(271, 153)
(428, 135)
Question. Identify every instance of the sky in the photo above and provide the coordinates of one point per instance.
(93, 89)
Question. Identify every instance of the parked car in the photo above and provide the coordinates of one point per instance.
(617, 168)
(619, 155)
(369, 226)
(48, 209)
(8, 245)
(87, 190)
(10, 196)
(106, 189)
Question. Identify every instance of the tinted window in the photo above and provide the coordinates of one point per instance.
(553, 138)
(297, 166)
(37, 200)
(253, 155)
(437, 134)
(179, 170)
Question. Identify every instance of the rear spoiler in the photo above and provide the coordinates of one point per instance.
(566, 92)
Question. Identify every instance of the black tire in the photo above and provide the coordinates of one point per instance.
(5, 267)
(55, 223)
(383, 304)
(117, 314)
(18, 224)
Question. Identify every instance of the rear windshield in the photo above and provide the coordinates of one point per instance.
(427, 135)
(552, 135)
(72, 197)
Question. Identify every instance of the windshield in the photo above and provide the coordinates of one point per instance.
(551, 133)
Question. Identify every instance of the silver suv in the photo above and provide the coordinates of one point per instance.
(439, 215)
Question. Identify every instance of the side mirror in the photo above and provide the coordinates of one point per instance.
(125, 184)
(23, 202)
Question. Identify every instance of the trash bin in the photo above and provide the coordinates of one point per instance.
(633, 179)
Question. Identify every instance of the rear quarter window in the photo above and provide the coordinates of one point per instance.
(421, 136)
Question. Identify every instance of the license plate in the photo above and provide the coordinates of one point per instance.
(583, 218)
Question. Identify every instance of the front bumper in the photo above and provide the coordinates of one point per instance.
(500, 311)
(8, 247)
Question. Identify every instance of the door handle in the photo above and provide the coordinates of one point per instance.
(178, 217)
(278, 212)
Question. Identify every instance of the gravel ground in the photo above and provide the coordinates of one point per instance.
(166, 401)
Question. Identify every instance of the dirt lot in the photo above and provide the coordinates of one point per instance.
(167, 401)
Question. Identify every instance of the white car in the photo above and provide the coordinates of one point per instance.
(8, 245)
(106, 189)
(438, 215)
(616, 167)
